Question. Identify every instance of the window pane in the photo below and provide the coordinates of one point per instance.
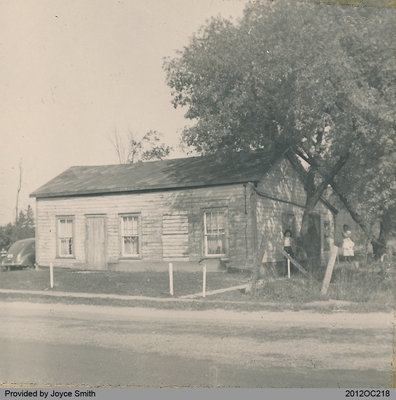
(66, 247)
(124, 225)
(215, 244)
(217, 218)
(69, 228)
(131, 245)
(63, 247)
(211, 226)
(130, 235)
(220, 222)
(130, 225)
(215, 232)
(65, 236)
(215, 222)
(61, 227)
(208, 222)
(65, 227)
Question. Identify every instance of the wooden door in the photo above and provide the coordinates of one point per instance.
(96, 242)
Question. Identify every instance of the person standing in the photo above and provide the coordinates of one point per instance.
(347, 244)
(287, 244)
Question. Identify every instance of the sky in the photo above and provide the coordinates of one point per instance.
(72, 72)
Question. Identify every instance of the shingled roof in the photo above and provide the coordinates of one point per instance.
(159, 175)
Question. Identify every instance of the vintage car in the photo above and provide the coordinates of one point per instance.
(21, 254)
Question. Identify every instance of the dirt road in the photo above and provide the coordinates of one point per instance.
(78, 344)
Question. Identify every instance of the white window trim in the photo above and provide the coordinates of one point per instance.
(219, 255)
(58, 238)
(139, 235)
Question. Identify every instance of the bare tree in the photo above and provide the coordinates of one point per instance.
(118, 143)
(129, 149)
(18, 191)
(16, 227)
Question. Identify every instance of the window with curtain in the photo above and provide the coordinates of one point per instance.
(130, 235)
(214, 232)
(65, 237)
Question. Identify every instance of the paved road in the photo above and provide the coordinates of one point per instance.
(95, 345)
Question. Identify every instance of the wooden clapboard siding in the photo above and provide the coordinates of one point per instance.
(282, 182)
(154, 209)
(171, 221)
(175, 246)
(175, 235)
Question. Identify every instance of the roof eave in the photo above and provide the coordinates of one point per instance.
(134, 191)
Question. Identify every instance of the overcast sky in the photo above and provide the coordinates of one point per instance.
(73, 71)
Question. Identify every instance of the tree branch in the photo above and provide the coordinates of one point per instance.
(18, 190)
(329, 178)
(333, 173)
(300, 153)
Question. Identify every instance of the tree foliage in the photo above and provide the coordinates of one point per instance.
(311, 80)
(368, 187)
(289, 73)
(22, 229)
(129, 149)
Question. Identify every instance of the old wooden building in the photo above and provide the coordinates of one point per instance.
(129, 217)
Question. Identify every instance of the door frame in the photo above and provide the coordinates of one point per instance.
(104, 218)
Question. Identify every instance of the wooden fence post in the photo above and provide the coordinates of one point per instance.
(329, 270)
(204, 281)
(171, 279)
(51, 275)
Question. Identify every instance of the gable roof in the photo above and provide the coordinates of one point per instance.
(177, 173)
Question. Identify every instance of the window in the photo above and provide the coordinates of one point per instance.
(214, 232)
(130, 241)
(65, 237)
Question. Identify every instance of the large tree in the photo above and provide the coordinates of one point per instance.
(311, 81)
(367, 186)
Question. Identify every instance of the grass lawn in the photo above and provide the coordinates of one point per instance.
(368, 289)
(147, 283)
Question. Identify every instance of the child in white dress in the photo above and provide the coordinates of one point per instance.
(347, 244)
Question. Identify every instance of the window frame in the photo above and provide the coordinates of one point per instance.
(139, 235)
(224, 211)
(58, 238)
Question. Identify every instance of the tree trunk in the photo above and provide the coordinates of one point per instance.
(379, 245)
(366, 244)
(307, 238)
(314, 193)
(256, 246)
(355, 216)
